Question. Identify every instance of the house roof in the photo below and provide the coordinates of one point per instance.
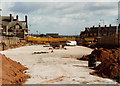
(6, 21)
(21, 23)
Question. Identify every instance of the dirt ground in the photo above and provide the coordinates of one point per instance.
(53, 68)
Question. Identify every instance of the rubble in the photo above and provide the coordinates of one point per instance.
(12, 72)
(46, 46)
(41, 52)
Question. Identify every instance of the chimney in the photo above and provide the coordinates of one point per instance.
(11, 18)
(17, 17)
(93, 26)
(26, 21)
(105, 25)
(99, 25)
(86, 28)
(110, 25)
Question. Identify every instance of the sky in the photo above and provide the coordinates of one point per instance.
(65, 18)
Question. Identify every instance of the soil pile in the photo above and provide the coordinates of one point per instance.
(109, 68)
(109, 54)
(12, 72)
(103, 54)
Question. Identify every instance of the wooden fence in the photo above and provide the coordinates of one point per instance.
(10, 40)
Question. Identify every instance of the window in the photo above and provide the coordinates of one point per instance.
(104, 34)
(17, 26)
(4, 29)
(14, 30)
(9, 30)
(95, 34)
(91, 34)
(23, 24)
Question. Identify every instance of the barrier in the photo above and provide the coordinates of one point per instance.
(38, 39)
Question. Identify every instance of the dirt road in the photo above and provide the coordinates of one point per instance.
(53, 68)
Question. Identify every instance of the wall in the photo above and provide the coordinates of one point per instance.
(109, 40)
(9, 41)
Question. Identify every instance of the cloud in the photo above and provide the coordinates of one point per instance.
(6, 7)
(65, 17)
(100, 6)
(26, 7)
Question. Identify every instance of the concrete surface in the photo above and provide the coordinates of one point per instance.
(52, 68)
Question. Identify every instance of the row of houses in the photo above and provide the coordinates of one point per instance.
(105, 36)
(13, 27)
(91, 33)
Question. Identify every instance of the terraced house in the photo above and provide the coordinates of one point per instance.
(91, 33)
(13, 27)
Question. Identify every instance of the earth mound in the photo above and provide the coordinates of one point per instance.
(12, 71)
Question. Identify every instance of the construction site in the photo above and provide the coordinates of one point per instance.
(36, 60)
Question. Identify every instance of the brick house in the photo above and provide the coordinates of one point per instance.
(95, 32)
(14, 27)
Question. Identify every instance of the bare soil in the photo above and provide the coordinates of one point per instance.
(12, 71)
(109, 67)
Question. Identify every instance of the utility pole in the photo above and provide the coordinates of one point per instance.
(117, 26)
(37, 32)
(29, 30)
(99, 31)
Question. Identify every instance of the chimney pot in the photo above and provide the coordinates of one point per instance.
(105, 25)
(11, 18)
(110, 25)
(99, 25)
(17, 17)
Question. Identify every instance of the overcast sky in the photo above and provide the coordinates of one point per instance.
(68, 18)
